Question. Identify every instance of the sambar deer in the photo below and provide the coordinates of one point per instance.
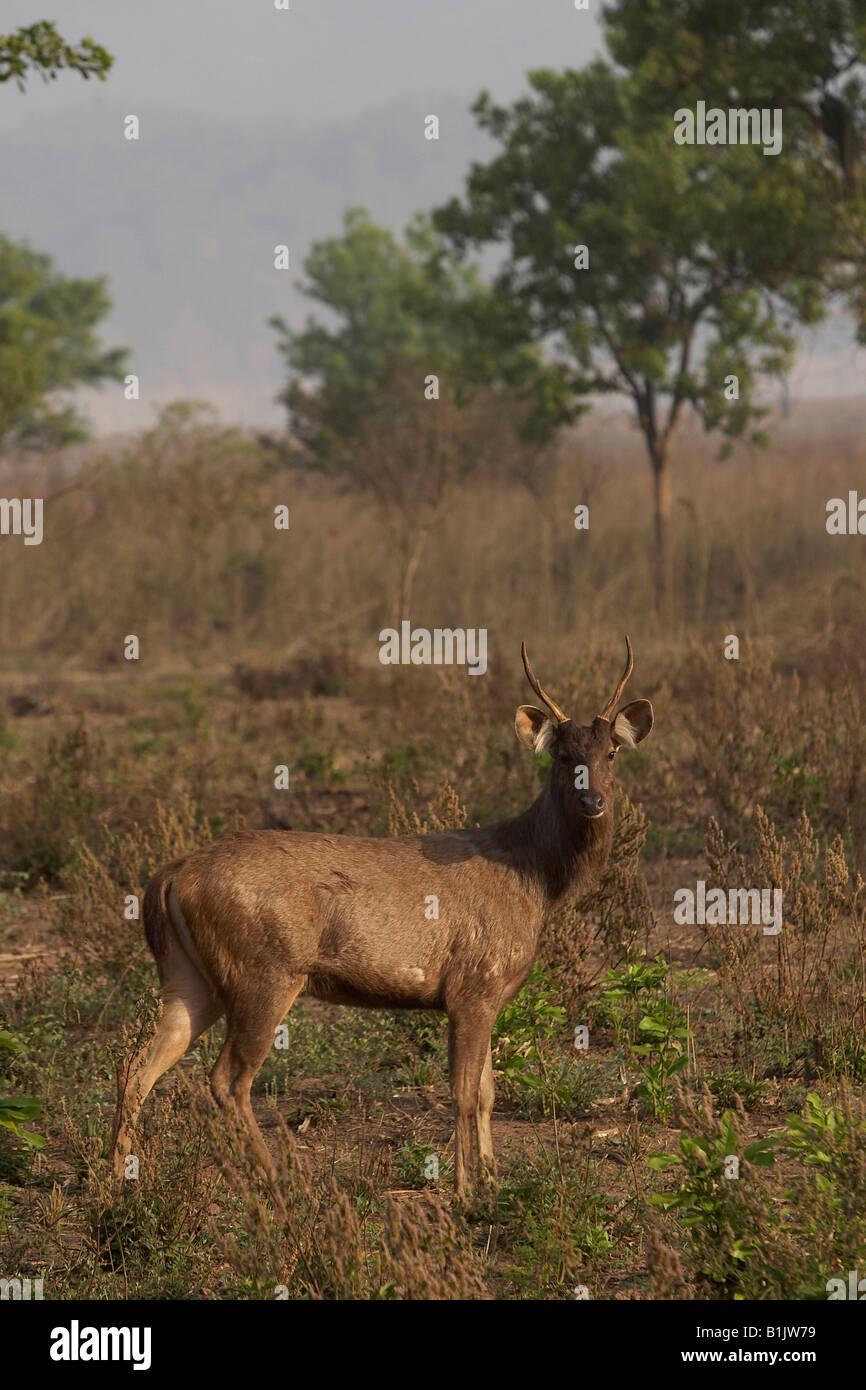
(240, 927)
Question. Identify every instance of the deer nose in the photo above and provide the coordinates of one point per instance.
(591, 803)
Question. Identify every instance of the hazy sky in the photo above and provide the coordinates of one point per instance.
(260, 126)
(321, 61)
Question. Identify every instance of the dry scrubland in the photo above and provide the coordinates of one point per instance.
(260, 647)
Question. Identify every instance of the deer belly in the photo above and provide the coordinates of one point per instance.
(403, 987)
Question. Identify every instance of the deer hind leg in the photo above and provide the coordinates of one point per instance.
(486, 1092)
(468, 1049)
(252, 1022)
(188, 1007)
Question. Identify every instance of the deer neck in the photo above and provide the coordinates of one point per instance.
(560, 853)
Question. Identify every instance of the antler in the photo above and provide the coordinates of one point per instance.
(614, 699)
(554, 708)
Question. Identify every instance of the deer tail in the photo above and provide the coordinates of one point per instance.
(155, 911)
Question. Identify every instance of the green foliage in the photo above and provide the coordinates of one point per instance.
(709, 1199)
(39, 48)
(732, 1085)
(814, 1137)
(47, 346)
(758, 1248)
(413, 1166)
(700, 263)
(16, 1111)
(375, 1048)
(317, 763)
(400, 307)
(519, 1032)
(796, 58)
(703, 1161)
(666, 1034)
(554, 1213)
(626, 991)
(824, 1206)
(531, 1013)
(532, 1066)
(800, 789)
(803, 59)
(654, 1028)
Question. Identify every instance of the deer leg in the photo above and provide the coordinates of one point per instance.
(188, 1007)
(468, 1043)
(249, 1039)
(486, 1091)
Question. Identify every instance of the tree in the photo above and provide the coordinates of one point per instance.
(392, 304)
(402, 396)
(41, 49)
(411, 459)
(806, 60)
(47, 343)
(47, 346)
(699, 260)
(793, 54)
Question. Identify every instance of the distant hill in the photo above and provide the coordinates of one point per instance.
(184, 223)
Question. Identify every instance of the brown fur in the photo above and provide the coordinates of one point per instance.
(242, 925)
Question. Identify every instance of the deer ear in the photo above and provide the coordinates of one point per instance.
(533, 728)
(632, 724)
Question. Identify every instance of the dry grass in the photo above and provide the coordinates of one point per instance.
(259, 648)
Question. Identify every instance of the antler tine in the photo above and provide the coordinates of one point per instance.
(554, 708)
(621, 683)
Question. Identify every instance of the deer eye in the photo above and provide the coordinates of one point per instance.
(611, 755)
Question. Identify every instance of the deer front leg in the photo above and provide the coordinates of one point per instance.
(468, 1049)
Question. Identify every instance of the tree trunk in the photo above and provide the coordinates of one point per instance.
(410, 569)
(664, 574)
(657, 442)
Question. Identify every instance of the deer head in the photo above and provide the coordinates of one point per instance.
(592, 747)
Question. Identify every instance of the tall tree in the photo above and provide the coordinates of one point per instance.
(389, 304)
(698, 260)
(804, 58)
(401, 392)
(807, 60)
(47, 342)
(47, 347)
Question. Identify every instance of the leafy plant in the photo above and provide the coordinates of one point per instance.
(420, 1165)
(712, 1163)
(652, 1026)
(666, 1034)
(626, 989)
(750, 1243)
(727, 1086)
(519, 1034)
(16, 1111)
